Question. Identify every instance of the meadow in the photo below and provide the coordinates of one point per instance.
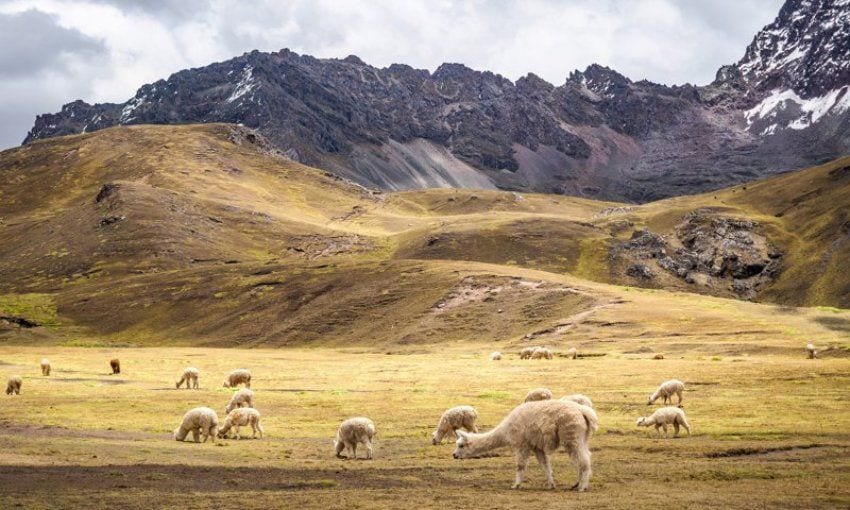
(768, 430)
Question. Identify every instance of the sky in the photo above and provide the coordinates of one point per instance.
(55, 51)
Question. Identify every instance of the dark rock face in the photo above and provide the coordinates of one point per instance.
(711, 250)
(599, 134)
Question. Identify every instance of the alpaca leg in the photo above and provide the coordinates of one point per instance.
(260, 428)
(238, 437)
(368, 449)
(543, 460)
(675, 429)
(354, 450)
(582, 458)
(687, 426)
(339, 447)
(521, 464)
(679, 393)
(196, 435)
(665, 431)
(658, 429)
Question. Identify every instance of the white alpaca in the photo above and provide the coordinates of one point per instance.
(241, 417)
(811, 352)
(526, 352)
(495, 356)
(190, 376)
(572, 353)
(578, 398)
(538, 428)
(45, 366)
(538, 394)
(13, 385)
(353, 431)
(237, 377)
(199, 421)
(242, 398)
(542, 353)
(663, 417)
(666, 392)
(460, 417)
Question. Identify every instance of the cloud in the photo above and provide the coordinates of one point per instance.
(31, 42)
(114, 46)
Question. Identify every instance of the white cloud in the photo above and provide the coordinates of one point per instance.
(668, 41)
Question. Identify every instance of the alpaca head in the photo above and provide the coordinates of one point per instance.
(463, 446)
(641, 422)
(226, 384)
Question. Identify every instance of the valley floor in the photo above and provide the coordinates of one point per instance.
(771, 429)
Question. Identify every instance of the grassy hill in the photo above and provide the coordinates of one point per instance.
(201, 234)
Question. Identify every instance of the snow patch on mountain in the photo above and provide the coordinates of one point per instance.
(246, 84)
(801, 113)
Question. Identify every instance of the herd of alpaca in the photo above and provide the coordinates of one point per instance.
(538, 426)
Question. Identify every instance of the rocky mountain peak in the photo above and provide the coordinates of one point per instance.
(806, 49)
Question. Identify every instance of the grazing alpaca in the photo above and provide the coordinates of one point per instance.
(45, 366)
(353, 431)
(460, 417)
(116, 366)
(666, 392)
(666, 416)
(538, 428)
(190, 377)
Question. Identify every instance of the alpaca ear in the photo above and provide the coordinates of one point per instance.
(461, 434)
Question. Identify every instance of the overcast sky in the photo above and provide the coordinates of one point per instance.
(55, 51)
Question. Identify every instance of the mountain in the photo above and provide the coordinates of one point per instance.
(206, 233)
(783, 106)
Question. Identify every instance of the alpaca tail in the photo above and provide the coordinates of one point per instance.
(591, 419)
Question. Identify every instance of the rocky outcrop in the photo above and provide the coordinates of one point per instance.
(705, 249)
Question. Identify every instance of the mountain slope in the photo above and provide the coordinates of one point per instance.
(204, 234)
(783, 106)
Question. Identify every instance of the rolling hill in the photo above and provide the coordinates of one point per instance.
(205, 234)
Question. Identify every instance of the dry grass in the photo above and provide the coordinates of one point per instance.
(387, 305)
(773, 427)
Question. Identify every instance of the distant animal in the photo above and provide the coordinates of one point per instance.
(13, 385)
(663, 417)
(538, 428)
(242, 398)
(572, 353)
(115, 365)
(190, 377)
(460, 417)
(45, 366)
(658, 356)
(200, 421)
(526, 352)
(495, 356)
(353, 431)
(241, 417)
(666, 392)
(578, 398)
(538, 394)
(237, 377)
(542, 353)
(811, 352)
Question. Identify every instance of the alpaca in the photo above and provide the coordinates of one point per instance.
(45, 366)
(460, 417)
(116, 366)
(666, 392)
(353, 431)
(538, 428)
(666, 416)
(190, 376)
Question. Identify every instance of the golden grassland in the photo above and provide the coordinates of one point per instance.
(387, 305)
(770, 427)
